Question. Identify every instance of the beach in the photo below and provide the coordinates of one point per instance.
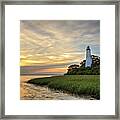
(35, 92)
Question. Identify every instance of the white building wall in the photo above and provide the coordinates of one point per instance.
(88, 62)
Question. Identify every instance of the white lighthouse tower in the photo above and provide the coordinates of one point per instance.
(88, 62)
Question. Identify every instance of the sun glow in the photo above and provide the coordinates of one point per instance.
(56, 43)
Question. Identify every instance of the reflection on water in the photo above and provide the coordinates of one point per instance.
(28, 77)
(33, 92)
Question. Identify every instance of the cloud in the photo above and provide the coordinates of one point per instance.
(44, 42)
(45, 69)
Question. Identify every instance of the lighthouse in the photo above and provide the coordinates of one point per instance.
(88, 62)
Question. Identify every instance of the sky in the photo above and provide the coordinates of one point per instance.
(50, 46)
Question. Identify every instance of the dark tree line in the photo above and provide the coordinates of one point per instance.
(82, 70)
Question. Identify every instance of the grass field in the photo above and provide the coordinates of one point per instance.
(74, 84)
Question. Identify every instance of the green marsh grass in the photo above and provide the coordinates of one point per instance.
(73, 84)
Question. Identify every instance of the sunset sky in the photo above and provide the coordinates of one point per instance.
(49, 46)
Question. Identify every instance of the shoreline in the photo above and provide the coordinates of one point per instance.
(42, 75)
(62, 86)
(35, 92)
(88, 97)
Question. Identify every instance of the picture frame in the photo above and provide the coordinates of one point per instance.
(70, 2)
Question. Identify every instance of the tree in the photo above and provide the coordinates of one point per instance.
(82, 70)
(73, 66)
(72, 69)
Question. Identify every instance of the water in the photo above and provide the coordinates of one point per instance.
(24, 78)
(33, 92)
